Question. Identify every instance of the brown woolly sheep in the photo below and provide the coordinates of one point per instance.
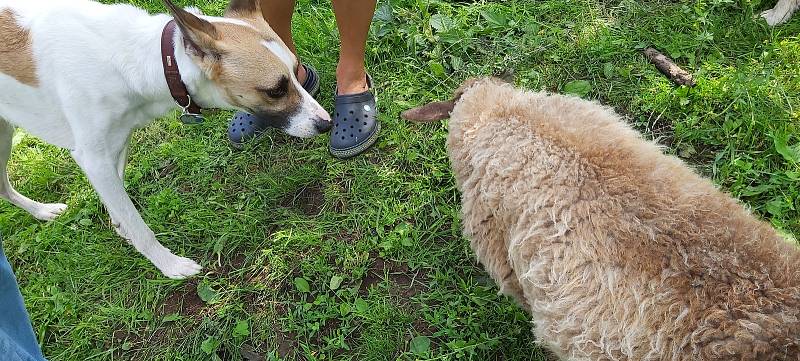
(618, 251)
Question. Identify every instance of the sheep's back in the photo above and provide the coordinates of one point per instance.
(616, 249)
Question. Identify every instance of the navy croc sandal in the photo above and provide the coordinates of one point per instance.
(356, 125)
(245, 127)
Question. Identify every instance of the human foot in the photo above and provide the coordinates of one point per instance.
(356, 125)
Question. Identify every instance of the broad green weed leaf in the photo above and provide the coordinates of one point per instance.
(302, 285)
(776, 207)
(242, 329)
(436, 68)
(495, 19)
(336, 281)
(209, 346)
(384, 13)
(361, 306)
(344, 309)
(788, 152)
(756, 190)
(420, 345)
(451, 36)
(402, 229)
(456, 62)
(206, 293)
(580, 88)
(441, 23)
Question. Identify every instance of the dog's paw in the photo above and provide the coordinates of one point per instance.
(48, 212)
(775, 17)
(179, 268)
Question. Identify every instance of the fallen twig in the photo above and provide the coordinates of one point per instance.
(668, 67)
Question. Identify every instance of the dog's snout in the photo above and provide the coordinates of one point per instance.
(322, 125)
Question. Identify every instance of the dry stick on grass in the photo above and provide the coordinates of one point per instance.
(668, 68)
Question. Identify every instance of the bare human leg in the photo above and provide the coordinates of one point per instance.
(353, 17)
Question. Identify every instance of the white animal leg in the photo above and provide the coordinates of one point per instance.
(100, 166)
(122, 161)
(781, 12)
(42, 211)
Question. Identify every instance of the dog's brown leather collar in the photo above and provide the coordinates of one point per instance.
(173, 75)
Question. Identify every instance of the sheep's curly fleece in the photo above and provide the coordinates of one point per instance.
(618, 251)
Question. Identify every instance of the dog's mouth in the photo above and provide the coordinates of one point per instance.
(298, 123)
(275, 119)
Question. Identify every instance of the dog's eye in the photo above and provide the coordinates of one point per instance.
(275, 93)
(278, 91)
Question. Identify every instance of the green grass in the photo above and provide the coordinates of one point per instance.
(311, 258)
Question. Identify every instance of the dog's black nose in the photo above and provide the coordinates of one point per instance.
(322, 125)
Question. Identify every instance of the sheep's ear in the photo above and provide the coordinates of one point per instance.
(429, 113)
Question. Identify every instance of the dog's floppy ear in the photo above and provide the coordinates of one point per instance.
(201, 33)
(430, 112)
(243, 9)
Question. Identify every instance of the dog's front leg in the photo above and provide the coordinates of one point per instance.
(122, 162)
(101, 169)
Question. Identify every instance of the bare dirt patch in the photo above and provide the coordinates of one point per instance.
(249, 353)
(287, 345)
(184, 301)
(120, 337)
(405, 283)
(308, 199)
(422, 327)
(231, 264)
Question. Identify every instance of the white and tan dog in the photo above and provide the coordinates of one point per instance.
(82, 76)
